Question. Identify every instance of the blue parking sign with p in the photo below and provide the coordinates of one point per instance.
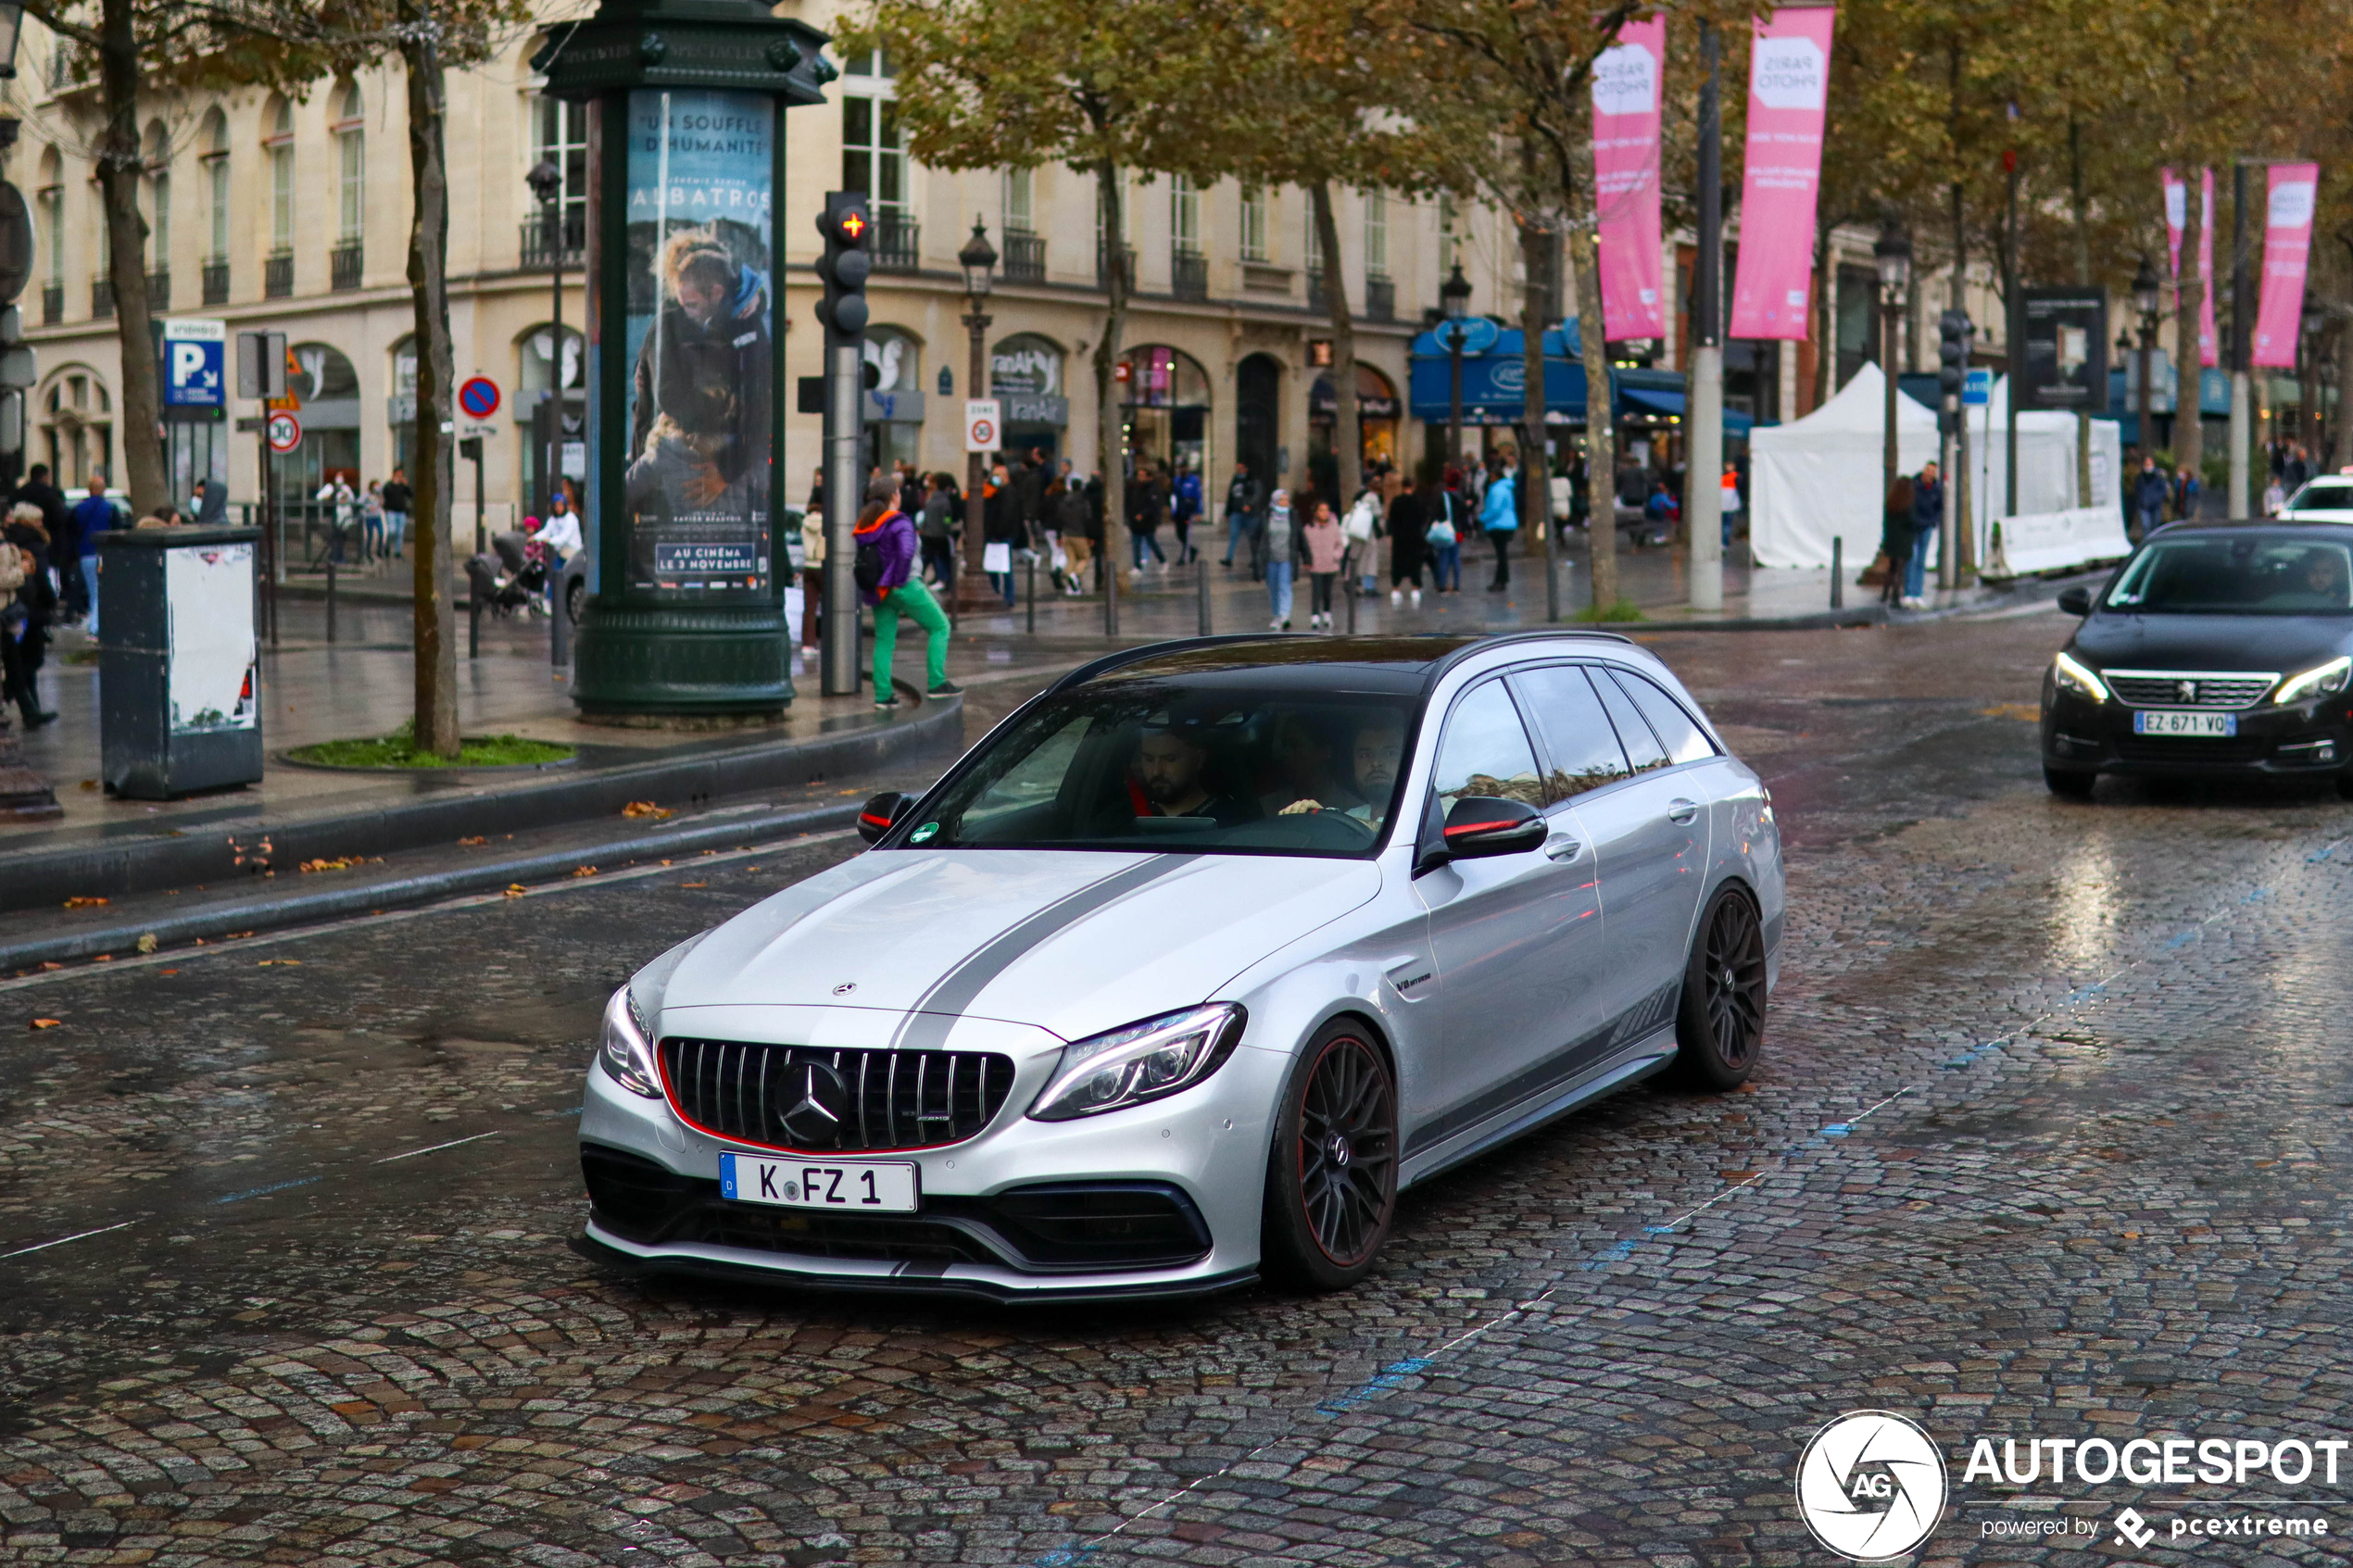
(194, 353)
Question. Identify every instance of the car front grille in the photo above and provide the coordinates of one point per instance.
(2189, 688)
(834, 1101)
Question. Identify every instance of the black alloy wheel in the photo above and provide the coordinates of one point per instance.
(1720, 1026)
(1331, 1187)
(2069, 784)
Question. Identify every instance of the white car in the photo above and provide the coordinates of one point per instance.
(2326, 498)
(1192, 964)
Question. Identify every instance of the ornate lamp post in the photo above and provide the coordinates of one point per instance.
(2146, 291)
(978, 258)
(684, 612)
(1453, 301)
(1893, 256)
(546, 182)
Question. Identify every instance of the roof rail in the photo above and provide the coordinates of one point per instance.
(1112, 661)
(1532, 636)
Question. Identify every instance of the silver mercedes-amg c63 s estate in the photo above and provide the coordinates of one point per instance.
(1189, 968)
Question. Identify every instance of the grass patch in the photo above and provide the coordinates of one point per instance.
(398, 750)
(1624, 610)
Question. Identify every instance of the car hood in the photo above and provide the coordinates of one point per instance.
(1071, 942)
(2281, 643)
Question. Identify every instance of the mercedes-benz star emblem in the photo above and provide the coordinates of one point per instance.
(816, 1101)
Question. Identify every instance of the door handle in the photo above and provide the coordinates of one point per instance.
(1681, 810)
(1563, 848)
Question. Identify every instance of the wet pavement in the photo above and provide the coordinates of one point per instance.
(2048, 1142)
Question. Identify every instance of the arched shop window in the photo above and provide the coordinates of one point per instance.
(1164, 401)
(1377, 409)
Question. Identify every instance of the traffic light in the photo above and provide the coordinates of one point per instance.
(1954, 339)
(845, 225)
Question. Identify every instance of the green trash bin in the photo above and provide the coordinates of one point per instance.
(179, 672)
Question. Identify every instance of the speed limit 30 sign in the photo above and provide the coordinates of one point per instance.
(984, 424)
(285, 432)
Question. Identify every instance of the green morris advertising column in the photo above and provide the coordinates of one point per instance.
(684, 611)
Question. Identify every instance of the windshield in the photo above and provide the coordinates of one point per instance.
(2323, 494)
(1179, 765)
(2241, 576)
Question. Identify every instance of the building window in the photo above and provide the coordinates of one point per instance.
(158, 199)
(563, 141)
(1183, 214)
(1254, 226)
(1376, 234)
(875, 62)
(1450, 240)
(351, 154)
(216, 178)
(873, 158)
(1314, 250)
(1020, 192)
(282, 180)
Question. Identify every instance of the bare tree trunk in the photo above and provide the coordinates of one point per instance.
(436, 626)
(119, 164)
(1534, 307)
(2189, 437)
(1824, 326)
(1108, 442)
(1601, 443)
(1348, 436)
(2342, 457)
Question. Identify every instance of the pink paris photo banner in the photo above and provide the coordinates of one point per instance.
(2177, 195)
(1627, 81)
(1789, 77)
(2287, 245)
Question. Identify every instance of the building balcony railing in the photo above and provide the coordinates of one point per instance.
(216, 283)
(159, 290)
(898, 241)
(1380, 299)
(52, 304)
(343, 266)
(1024, 257)
(1127, 267)
(101, 297)
(541, 251)
(277, 275)
(1189, 274)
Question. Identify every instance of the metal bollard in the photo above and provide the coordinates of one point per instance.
(1355, 592)
(1200, 581)
(1032, 591)
(473, 622)
(331, 587)
(1838, 573)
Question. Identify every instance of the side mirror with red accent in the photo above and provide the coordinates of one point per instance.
(876, 817)
(1480, 825)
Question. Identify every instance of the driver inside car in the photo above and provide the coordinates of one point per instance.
(1169, 764)
(1376, 751)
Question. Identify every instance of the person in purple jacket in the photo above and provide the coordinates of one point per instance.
(886, 542)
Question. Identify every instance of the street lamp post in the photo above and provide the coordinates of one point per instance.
(977, 259)
(1893, 256)
(546, 182)
(1453, 300)
(2145, 295)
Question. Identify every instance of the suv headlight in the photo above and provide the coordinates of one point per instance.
(2078, 678)
(626, 1053)
(2321, 680)
(1143, 1062)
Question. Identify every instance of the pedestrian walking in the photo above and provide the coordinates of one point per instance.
(1928, 522)
(1499, 519)
(1184, 510)
(1730, 501)
(1144, 503)
(26, 612)
(93, 516)
(2149, 497)
(1327, 546)
(398, 498)
(2274, 497)
(937, 531)
(1408, 542)
(1242, 497)
(212, 503)
(1281, 542)
(372, 521)
(1362, 529)
(812, 579)
(2187, 492)
(1895, 540)
(1445, 538)
(888, 585)
(1000, 531)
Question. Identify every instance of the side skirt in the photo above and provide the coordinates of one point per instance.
(1628, 1066)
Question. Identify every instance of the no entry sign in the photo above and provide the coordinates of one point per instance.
(478, 395)
(286, 432)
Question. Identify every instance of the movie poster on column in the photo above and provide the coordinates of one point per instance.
(701, 340)
(1787, 92)
(2287, 249)
(1627, 81)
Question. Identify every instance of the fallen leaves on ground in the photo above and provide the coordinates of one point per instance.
(147, 943)
(646, 808)
(2023, 711)
(584, 870)
(46, 1022)
(516, 890)
(83, 901)
(476, 842)
(694, 884)
(340, 863)
(289, 964)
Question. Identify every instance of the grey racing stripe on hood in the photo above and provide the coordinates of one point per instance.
(936, 1010)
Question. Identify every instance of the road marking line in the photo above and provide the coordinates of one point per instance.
(415, 1152)
(273, 1187)
(45, 1246)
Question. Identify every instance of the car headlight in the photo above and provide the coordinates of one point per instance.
(2078, 678)
(2320, 680)
(626, 1054)
(1143, 1062)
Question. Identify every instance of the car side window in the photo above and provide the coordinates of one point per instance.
(1580, 748)
(1684, 741)
(1485, 752)
(1642, 746)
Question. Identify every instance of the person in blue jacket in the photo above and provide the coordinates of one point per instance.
(1499, 519)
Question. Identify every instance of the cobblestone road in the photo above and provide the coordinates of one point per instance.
(2049, 1142)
